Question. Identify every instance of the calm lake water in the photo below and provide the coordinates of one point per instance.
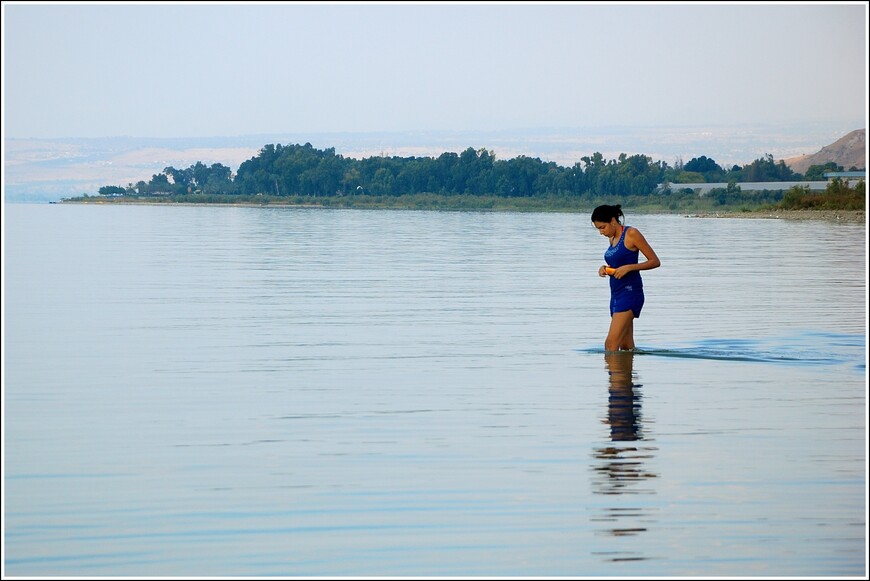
(219, 391)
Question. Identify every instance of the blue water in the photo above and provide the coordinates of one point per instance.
(204, 391)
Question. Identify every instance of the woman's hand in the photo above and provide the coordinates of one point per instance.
(618, 273)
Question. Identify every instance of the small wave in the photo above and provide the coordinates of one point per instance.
(809, 348)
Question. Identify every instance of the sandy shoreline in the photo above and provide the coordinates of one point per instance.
(844, 216)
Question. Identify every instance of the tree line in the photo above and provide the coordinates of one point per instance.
(302, 170)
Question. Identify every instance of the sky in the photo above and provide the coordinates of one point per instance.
(170, 70)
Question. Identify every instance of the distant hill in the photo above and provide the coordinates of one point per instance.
(40, 170)
(849, 151)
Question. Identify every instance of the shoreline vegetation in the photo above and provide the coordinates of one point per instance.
(698, 209)
(474, 180)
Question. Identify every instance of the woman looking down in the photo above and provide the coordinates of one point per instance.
(623, 268)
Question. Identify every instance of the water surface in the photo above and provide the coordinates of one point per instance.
(217, 391)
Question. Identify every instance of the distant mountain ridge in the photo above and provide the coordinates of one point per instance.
(848, 151)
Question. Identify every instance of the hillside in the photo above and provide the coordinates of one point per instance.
(848, 151)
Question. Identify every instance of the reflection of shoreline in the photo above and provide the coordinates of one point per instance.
(619, 468)
(839, 216)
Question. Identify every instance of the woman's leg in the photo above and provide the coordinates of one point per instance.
(628, 337)
(621, 334)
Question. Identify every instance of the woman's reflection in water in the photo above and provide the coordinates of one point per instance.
(623, 406)
(619, 468)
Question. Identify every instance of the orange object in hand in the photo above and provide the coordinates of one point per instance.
(609, 270)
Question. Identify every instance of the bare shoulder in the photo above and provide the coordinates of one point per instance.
(633, 235)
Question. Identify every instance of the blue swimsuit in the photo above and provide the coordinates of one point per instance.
(626, 293)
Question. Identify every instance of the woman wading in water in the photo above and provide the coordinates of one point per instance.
(623, 268)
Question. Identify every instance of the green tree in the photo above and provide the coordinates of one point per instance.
(817, 172)
(765, 169)
(112, 191)
(181, 178)
(703, 165)
(159, 184)
(382, 182)
(689, 177)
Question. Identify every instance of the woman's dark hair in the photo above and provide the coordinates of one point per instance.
(607, 213)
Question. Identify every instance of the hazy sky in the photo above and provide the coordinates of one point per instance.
(193, 70)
